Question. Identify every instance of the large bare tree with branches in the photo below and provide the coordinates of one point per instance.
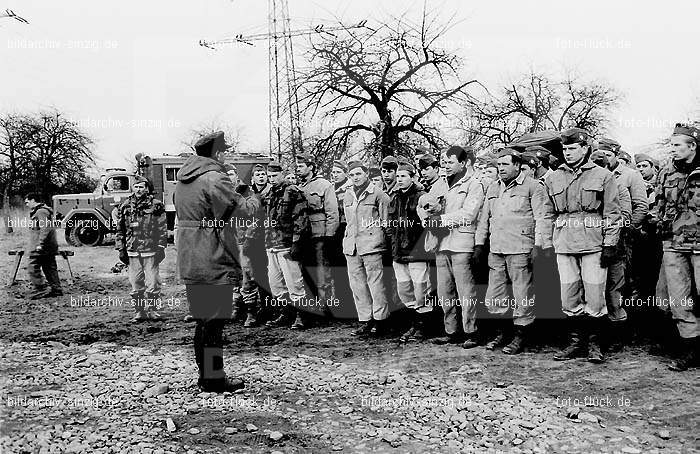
(43, 152)
(537, 102)
(387, 82)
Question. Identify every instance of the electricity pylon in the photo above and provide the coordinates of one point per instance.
(284, 117)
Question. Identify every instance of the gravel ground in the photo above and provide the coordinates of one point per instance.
(82, 379)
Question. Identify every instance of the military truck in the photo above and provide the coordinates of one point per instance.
(89, 218)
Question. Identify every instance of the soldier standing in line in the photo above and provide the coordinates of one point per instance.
(342, 184)
(678, 207)
(516, 217)
(286, 228)
(453, 227)
(208, 208)
(43, 248)
(141, 240)
(324, 219)
(410, 260)
(375, 176)
(251, 240)
(647, 267)
(586, 232)
(366, 209)
(620, 271)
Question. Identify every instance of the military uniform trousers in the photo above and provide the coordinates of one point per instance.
(366, 274)
(47, 263)
(615, 285)
(144, 278)
(682, 271)
(285, 275)
(413, 285)
(456, 290)
(519, 268)
(582, 284)
(210, 305)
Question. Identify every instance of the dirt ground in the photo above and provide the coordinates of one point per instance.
(312, 391)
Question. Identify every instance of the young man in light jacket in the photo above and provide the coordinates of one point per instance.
(455, 229)
(366, 209)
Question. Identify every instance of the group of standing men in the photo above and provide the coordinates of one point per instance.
(597, 216)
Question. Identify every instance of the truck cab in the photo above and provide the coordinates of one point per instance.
(88, 218)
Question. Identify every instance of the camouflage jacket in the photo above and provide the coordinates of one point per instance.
(42, 233)
(252, 229)
(677, 207)
(286, 216)
(141, 225)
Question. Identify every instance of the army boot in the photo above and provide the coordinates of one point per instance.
(413, 321)
(298, 321)
(501, 337)
(421, 331)
(594, 334)
(154, 302)
(690, 355)
(250, 301)
(237, 306)
(137, 301)
(577, 344)
(364, 330)
(517, 344)
(285, 313)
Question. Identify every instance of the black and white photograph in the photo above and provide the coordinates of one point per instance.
(349, 226)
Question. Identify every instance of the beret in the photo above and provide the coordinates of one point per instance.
(530, 159)
(508, 152)
(407, 167)
(373, 171)
(687, 130)
(341, 165)
(624, 156)
(389, 162)
(427, 160)
(258, 166)
(599, 158)
(355, 164)
(140, 179)
(485, 158)
(539, 151)
(304, 157)
(608, 144)
(574, 135)
(639, 157)
(213, 140)
(274, 166)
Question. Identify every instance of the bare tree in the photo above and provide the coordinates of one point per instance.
(537, 102)
(386, 82)
(58, 152)
(14, 142)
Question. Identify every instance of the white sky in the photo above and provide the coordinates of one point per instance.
(133, 73)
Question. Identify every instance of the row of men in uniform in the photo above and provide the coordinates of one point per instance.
(584, 211)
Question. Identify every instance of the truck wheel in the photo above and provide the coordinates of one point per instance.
(70, 237)
(84, 235)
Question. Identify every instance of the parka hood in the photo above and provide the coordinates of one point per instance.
(197, 166)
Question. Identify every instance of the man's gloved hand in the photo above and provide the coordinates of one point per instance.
(479, 256)
(296, 253)
(608, 256)
(160, 255)
(123, 257)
